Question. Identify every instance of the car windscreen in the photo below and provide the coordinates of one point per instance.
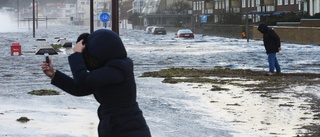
(185, 31)
(160, 29)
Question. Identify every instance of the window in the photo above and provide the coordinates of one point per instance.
(222, 5)
(291, 2)
(279, 2)
(258, 2)
(258, 9)
(216, 5)
(286, 2)
(252, 3)
(227, 6)
(243, 3)
(202, 5)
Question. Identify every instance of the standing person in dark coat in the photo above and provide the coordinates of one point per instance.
(100, 66)
(272, 44)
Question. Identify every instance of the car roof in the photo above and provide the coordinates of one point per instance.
(158, 28)
(185, 30)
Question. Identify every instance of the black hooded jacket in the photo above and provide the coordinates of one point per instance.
(112, 84)
(271, 39)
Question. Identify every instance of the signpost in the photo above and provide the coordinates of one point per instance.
(203, 20)
(115, 16)
(104, 17)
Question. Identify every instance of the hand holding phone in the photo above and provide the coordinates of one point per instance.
(47, 59)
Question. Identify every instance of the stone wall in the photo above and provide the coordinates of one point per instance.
(231, 31)
(300, 35)
(305, 32)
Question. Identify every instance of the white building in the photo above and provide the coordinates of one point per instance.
(137, 6)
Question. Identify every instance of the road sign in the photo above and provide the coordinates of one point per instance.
(204, 19)
(104, 17)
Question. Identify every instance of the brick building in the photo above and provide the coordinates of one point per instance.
(255, 8)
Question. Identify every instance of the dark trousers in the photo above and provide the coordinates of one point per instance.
(122, 121)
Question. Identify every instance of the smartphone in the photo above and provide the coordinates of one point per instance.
(47, 58)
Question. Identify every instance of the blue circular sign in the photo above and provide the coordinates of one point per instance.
(104, 17)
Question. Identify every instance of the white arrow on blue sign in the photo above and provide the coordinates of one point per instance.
(104, 17)
(204, 18)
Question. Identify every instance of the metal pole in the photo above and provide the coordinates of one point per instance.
(247, 20)
(46, 22)
(140, 16)
(37, 14)
(34, 19)
(18, 12)
(115, 16)
(91, 16)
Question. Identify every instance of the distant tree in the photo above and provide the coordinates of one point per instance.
(179, 7)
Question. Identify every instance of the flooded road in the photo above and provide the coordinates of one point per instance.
(171, 110)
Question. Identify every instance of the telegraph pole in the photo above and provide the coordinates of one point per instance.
(115, 16)
(91, 17)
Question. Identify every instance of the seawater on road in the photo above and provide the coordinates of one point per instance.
(170, 110)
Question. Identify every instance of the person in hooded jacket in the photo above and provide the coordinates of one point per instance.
(100, 66)
(272, 44)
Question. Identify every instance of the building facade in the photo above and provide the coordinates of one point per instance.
(254, 8)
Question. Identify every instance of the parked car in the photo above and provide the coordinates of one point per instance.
(149, 29)
(159, 30)
(185, 33)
